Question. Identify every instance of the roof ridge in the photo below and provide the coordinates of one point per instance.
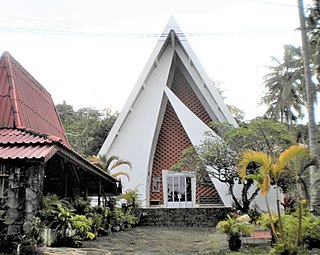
(12, 89)
(22, 69)
(28, 103)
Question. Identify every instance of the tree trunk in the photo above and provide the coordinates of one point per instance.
(312, 131)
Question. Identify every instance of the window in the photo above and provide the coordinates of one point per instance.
(179, 189)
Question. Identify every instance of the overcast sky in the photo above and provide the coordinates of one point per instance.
(91, 53)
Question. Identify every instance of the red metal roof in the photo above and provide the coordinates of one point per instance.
(28, 152)
(22, 144)
(16, 136)
(17, 144)
(24, 103)
(27, 144)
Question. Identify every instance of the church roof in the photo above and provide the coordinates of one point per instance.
(24, 103)
(136, 132)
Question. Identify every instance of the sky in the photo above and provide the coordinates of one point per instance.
(91, 53)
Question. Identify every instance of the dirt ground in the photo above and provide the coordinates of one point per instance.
(161, 240)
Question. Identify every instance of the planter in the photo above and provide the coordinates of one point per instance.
(312, 243)
(234, 243)
(116, 228)
(49, 236)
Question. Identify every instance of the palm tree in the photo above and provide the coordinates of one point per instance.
(272, 168)
(285, 92)
(262, 177)
(310, 67)
(110, 164)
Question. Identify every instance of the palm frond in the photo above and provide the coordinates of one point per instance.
(121, 173)
(110, 159)
(97, 161)
(263, 159)
(120, 162)
(291, 153)
(265, 185)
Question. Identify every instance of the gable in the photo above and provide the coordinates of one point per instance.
(174, 82)
(24, 103)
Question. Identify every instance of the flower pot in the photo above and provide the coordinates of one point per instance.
(234, 243)
(49, 236)
(116, 228)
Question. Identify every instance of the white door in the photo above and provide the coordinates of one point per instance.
(179, 189)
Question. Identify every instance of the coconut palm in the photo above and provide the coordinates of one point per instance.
(285, 94)
(311, 68)
(110, 164)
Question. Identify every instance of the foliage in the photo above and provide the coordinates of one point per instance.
(82, 225)
(117, 217)
(254, 214)
(258, 135)
(271, 168)
(34, 236)
(79, 220)
(131, 198)
(218, 157)
(86, 128)
(71, 228)
(110, 164)
(264, 221)
(8, 244)
(289, 204)
(100, 216)
(285, 93)
(298, 236)
(235, 225)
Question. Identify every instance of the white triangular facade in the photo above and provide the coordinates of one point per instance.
(168, 110)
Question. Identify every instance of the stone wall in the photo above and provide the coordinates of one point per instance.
(186, 217)
(24, 195)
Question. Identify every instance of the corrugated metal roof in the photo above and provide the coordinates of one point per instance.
(23, 144)
(27, 144)
(24, 103)
(15, 136)
(43, 151)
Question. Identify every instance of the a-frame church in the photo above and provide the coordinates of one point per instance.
(168, 110)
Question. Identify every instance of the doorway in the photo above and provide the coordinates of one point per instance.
(179, 189)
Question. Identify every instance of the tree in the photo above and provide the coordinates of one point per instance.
(310, 97)
(218, 157)
(110, 164)
(236, 113)
(86, 128)
(106, 120)
(271, 168)
(285, 94)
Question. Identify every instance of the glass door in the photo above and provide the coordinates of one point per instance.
(179, 190)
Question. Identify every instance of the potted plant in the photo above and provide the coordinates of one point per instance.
(235, 227)
(117, 219)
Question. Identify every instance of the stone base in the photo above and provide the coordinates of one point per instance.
(183, 217)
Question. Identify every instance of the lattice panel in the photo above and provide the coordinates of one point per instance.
(182, 89)
(173, 139)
